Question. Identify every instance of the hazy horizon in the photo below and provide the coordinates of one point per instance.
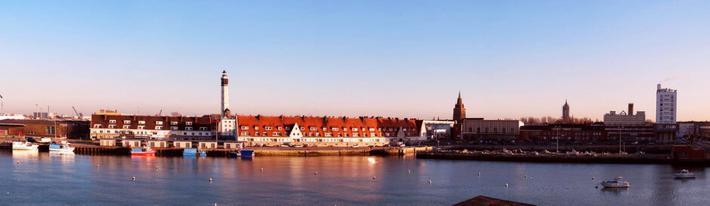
(509, 59)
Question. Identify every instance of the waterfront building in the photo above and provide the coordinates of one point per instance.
(565, 113)
(481, 129)
(434, 129)
(458, 117)
(72, 129)
(631, 126)
(574, 133)
(666, 105)
(693, 131)
(325, 131)
(115, 125)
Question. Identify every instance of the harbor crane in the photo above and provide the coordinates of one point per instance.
(80, 115)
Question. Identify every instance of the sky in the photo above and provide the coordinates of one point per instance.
(508, 58)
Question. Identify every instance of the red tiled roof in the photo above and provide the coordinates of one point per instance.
(250, 125)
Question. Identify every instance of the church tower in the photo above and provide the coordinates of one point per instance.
(565, 113)
(459, 116)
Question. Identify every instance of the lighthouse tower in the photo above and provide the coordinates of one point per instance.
(228, 123)
(225, 94)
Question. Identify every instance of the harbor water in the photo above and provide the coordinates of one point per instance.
(45, 179)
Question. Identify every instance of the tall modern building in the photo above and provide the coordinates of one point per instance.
(666, 105)
(459, 116)
(565, 113)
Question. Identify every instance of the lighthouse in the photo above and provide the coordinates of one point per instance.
(225, 94)
(228, 123)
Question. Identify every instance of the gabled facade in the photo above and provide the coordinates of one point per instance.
(323, 131)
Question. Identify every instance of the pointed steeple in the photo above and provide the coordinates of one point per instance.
(459, 101)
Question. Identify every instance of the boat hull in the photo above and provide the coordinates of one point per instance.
(24, 146)
(143, 154)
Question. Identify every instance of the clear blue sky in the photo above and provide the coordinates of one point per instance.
(391, 58)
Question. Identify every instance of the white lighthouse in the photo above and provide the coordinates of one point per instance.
(228, 122)
(225, 93)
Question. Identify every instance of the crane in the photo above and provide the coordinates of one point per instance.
(161, 112)
(77, 112)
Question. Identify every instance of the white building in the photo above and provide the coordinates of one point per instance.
(666, 105)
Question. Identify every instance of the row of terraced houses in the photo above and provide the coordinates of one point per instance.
(258, 130)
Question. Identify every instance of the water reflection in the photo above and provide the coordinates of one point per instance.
(332, 180)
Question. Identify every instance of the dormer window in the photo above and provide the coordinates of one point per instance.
(158, 122)
(141, 122)
(174, 123)
(112, 121)
(188, 123)
(126, 121)
(267, 128)
(245, 128)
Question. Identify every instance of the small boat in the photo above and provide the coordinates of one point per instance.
(616, 183)
(24, 146)
(61, 149)
(246, 153)
(142, 152)
(684, 174)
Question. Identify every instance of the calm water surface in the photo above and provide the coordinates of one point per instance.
(44, 179)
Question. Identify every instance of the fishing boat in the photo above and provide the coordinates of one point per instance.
(618, 182)
(684, 174)
(143, 152)
(24, 146)
(61, 149)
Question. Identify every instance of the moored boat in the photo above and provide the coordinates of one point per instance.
(684, 174)
(618, 182)
(246, 153)
(24, 146)
(61, 149)
(142, 152)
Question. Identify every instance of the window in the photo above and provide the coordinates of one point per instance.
(256, 128)
(245, 128)
(97, 125)
(372, 129)
(141, 127)
(173, 128)
(355, 129)
(111, 126)
(188, 128)
(312, 128)
(324, 128)
(275, 134)
(141, 122)
(203, 128)
(335, 129)
(126, 126)
(158, 127)
(267, 128)
(158, 122)
(112, 121)
(188, 123)
(126, 121)
(174, 123)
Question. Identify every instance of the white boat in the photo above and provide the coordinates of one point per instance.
(24, 146)
(61, 149)
(618, 182)
(684, 174)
